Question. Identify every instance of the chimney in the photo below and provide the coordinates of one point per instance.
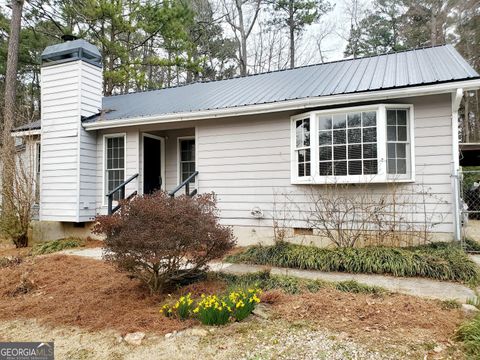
(71, 88)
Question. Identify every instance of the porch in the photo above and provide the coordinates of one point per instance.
(144, 160)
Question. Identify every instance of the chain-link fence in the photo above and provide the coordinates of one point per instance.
(469, 188)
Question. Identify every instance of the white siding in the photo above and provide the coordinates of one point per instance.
(69, 91)
(246, 161)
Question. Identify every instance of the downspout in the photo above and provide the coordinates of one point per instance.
(456, 100)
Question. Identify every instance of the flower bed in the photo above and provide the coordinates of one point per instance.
(214, 309)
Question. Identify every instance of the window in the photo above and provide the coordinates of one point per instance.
(37, 172)
(397, 141)
(302, 147)
(114, 163)
(186, 158)
(353, 145)
(348, 144)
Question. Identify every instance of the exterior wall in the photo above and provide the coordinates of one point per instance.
(69, 91)
(246, 162)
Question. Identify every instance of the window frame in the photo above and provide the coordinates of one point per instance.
(179, 157)
(381, 125)
(104, 165)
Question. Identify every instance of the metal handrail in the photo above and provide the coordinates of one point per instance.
(120, 188)
(185, 183)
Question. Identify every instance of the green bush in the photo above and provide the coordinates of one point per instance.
(469, 334)
(55, 246)
(440, 261)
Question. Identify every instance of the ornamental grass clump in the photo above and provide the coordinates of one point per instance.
(442, 261)
(214, 309)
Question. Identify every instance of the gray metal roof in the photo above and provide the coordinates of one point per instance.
(28, 127)
(402, 69)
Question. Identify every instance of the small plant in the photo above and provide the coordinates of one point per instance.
(214, 309)
(450, 304)
(469, 334)
(183, 306)
(166, 310)
(472, 245)
(55, 246)
(354, 287)
(243, 303)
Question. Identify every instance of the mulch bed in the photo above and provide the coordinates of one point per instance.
(75, 291)
(70, 290)
(393, 319)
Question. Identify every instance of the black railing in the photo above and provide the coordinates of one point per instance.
(185, 184)
(121, 190)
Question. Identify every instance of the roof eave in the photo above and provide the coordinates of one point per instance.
(24, 133)
(288, 105)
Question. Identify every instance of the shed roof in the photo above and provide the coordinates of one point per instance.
(394, 70)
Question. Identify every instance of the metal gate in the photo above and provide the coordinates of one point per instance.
(469, 204)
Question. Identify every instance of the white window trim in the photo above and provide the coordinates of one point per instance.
(162, 160)
(179, 170)
(104, 162)
(381, 177)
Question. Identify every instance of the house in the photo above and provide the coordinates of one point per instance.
(375, 122)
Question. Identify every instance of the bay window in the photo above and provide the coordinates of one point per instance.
(353, 145)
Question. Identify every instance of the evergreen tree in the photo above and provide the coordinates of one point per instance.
(295, 15)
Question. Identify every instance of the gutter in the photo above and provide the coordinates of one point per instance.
(287, 105)
(456, 101)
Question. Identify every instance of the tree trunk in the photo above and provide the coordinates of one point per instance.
(8, 144)
(243, 39)
(291, 26)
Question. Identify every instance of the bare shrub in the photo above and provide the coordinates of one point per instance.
(165, 241)
(350, 215)
(16, 215)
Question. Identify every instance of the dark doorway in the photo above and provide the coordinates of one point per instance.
(152, 164)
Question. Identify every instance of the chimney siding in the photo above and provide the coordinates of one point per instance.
(69, 90)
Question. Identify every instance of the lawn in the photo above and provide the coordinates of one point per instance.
(73, 297)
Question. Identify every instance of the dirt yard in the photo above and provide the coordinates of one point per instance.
(85, 306)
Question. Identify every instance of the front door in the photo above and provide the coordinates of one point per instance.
(152, 164)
